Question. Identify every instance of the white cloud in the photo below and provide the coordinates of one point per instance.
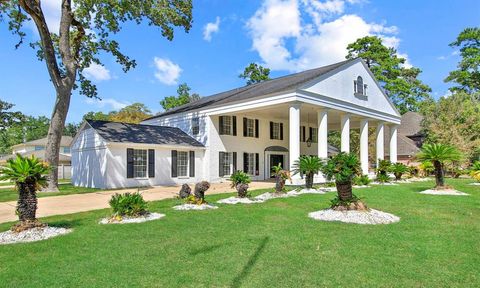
(52, 11)
(295, 35)
(97, 72)
(167, 71)
(210, 28)
(108, 102)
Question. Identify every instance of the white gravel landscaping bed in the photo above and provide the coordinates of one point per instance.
(309, 191)
(385, 184)
(32, 235)
(372, 216)
(126, 219)
(475, 184)
(444, 192)
(360, 186)
(194, 207)
(236, 200)
(268, 195)
(328, 189)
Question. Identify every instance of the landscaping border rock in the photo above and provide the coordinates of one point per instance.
(268, 195)
(128, 220)
(451, 192)
(475, 184)
(372, 216)
(185, 207)
(310, 191)
(32, 235)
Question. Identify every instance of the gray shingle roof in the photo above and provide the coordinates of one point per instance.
(277, 85)
(144, 134)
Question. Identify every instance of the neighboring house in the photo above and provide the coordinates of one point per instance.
(37, 149)
(410, 138)
(251, 128)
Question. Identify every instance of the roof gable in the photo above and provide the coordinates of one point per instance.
(142, 134)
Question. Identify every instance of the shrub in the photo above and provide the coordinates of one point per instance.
(240, 182)
(439, 155)
(426, 167)
(398, 169)
(128, 204)
(475, 171)
(362, 180)
(414, 171)
(308, 166)
(384, 166)
(383, 178)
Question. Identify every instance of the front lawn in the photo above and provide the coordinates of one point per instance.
(274, 244)
(10, 194)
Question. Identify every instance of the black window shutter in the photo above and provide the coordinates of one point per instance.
(271, 130)
(129, 163)
(220, 125)
(310, 133)
(245, 162)
(303, 132)
(256, 128)
(281, 131)
(257, 164)
(174, 163)
(220, 164)
(192, 164)
(245, 127)
(151, 163)
(234, 155)
(234, 125)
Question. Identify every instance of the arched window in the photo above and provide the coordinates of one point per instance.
(359, 83)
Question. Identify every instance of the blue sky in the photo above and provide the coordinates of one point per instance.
(287, 36)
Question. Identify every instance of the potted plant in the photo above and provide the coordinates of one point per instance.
(240, 181)
(438, 155)
(308, 166)
(280, 177)
(398, 169)
(342, 168)
(28, 174)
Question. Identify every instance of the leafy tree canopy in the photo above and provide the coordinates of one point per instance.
(28, 129)
(401, 84)
(255, 73)
(458, 127)
(467, 75)
(8, 117)
(135, 113)
(183, 97)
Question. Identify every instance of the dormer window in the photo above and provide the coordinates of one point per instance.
(358, 87)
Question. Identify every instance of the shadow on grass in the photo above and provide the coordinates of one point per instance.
(64, 223)
(206, 249)
(251, 262)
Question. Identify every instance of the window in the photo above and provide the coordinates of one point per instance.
(276, 131)
(195, 126)
(359, 87)
(250, 127)
(38, 148)
(66, 150)
(182, 163)
(228, 125)
(314, 135)
(140, 163)
(226, 163)
(250, 165)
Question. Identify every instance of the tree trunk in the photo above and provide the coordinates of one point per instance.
(439, 174)
(344, 190)
(27, 202)
(309, 180)
(55, 133)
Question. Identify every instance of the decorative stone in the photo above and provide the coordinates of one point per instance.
(32, 235)
(194, 207)
(185, 191)
(127, 219)
(237, 200)
(371, 216)
(451, 192)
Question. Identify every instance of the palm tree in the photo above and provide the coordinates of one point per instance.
(28, 174)
(280, 177)
(438, 154)
(398, 169)
(240, 181)
(309, 166)
(342, 167)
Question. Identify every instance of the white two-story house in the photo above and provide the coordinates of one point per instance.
(251, 128)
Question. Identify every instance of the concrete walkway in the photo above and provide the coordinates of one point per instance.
(68, 204)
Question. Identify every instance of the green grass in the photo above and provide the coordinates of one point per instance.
(10, 194)
(274, 244)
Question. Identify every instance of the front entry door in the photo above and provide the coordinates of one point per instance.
(274, 161)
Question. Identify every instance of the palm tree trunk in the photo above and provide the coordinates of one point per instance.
(439, 174)
(344, 190)
(27, 202)
(309, 180)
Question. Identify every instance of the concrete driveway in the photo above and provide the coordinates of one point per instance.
(68, 204)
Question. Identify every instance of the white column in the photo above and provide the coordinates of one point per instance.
(393, 143)
(380, 142)
(345, 133)
(364, 145)
(294, 135)
(322, 117)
